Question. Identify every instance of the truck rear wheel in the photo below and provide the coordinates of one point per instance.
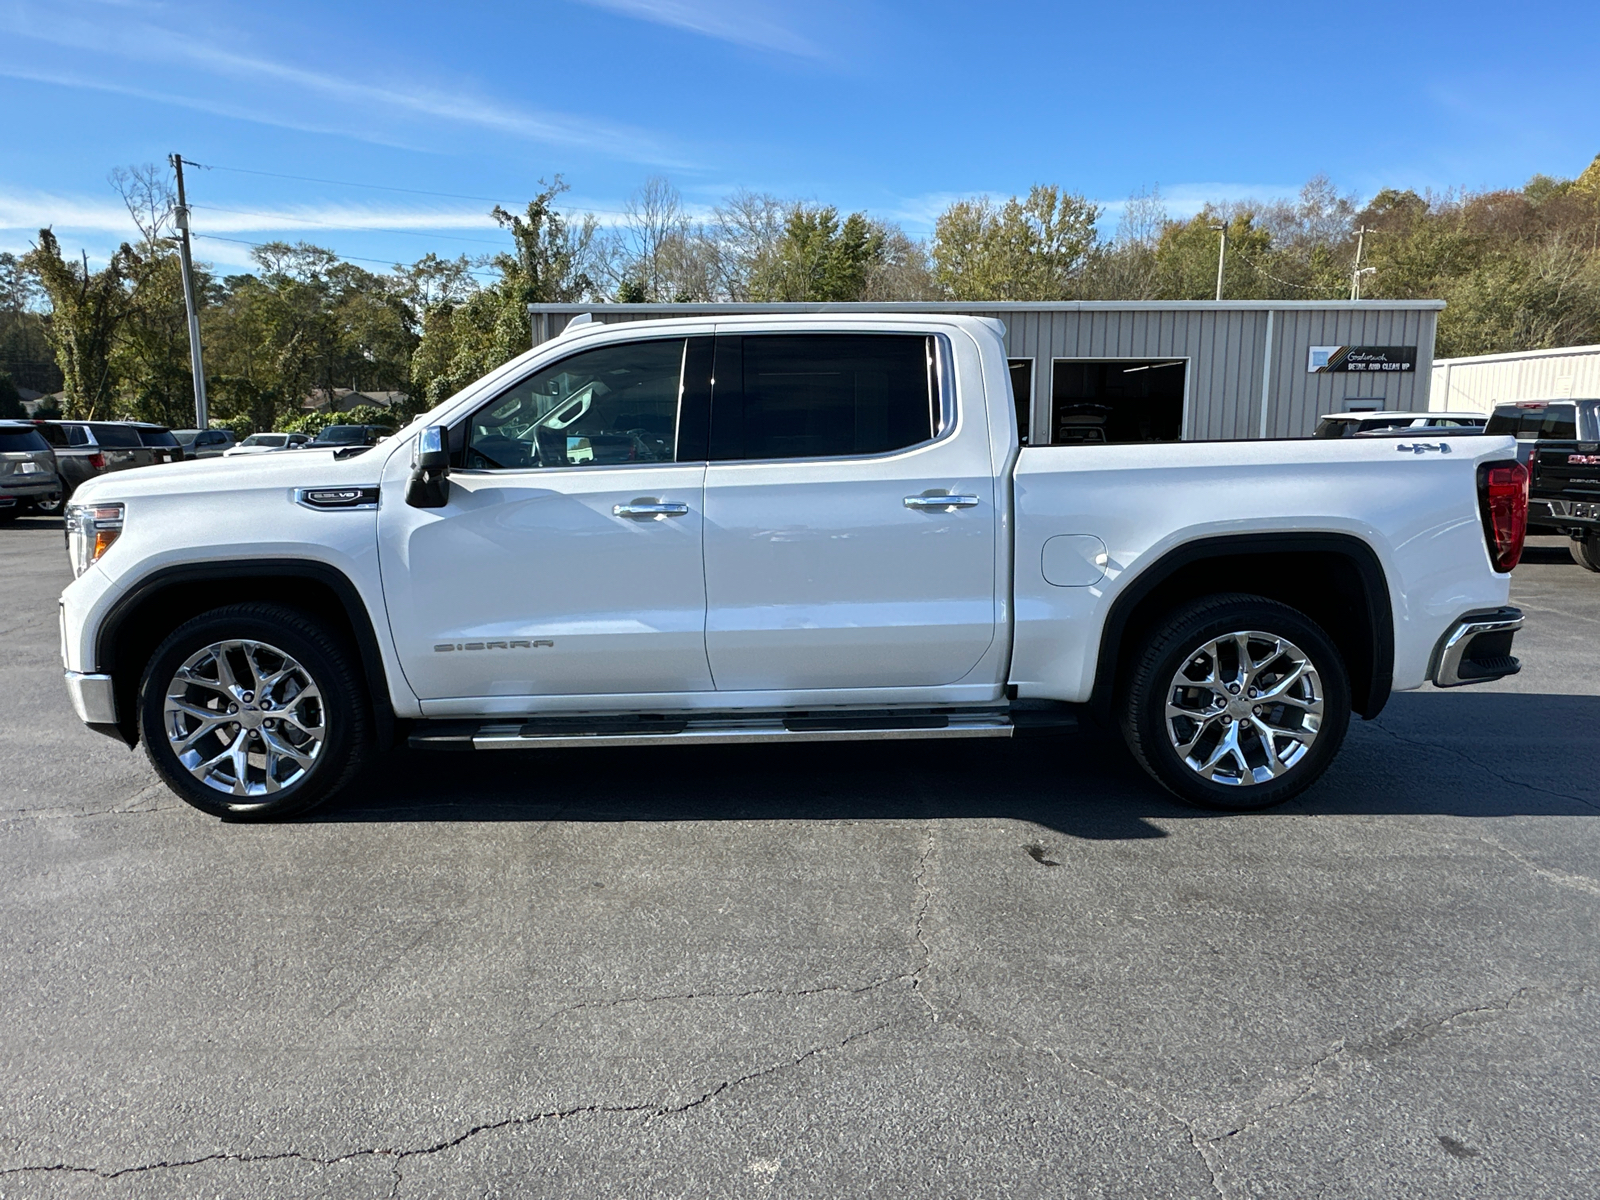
(254, 712)
(1236, 702)
(1587, 552)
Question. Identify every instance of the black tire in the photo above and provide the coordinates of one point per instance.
(1587, 552)
(338, 709)
(1187, 639)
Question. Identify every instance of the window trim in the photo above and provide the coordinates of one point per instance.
(460, 425)
(941, 369)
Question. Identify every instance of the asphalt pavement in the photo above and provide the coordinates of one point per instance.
(900, 969)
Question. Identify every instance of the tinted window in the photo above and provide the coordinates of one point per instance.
(53, 434)
(17, 438)
(212, 438)
(157, 437)
(613, 404)
(117, 436)
(820, 395)
(265, 439)
(1504, 420)
(342, 435)
(1334, 429)
(77, 435)
(186, 437)
(1560, 423)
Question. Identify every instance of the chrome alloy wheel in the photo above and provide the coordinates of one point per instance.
(1244, 708)
(244, 718)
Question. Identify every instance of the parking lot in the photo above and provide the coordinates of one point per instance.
(941, 969)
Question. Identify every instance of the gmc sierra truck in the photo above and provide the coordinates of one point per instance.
(777, 529)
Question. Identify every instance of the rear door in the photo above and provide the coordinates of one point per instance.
(850, 530)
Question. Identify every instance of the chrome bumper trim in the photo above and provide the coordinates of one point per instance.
(1451, 653)
(92, 698)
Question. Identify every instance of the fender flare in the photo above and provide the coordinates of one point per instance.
(1379, 611)
(232, 570)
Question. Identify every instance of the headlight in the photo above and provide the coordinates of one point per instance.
(91, 528)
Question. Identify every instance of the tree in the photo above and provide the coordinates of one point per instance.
(87, 309)
(1031, 249)
(10, 401)
(818, 258)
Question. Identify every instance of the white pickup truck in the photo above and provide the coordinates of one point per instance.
(777, 528)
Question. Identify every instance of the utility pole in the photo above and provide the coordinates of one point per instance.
(1222, 255)
(201, 418)
(1356, 272)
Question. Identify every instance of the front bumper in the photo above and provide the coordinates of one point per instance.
(92, 698)
(1477, 648)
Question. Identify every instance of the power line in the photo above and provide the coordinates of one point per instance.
(245, 212)
(382, 262)
(378, 187)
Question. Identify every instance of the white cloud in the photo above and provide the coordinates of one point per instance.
(145, 42)
(742, 22)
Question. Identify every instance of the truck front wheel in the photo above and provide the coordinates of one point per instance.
(1236, 702)
(254, 712)
(1586, 553)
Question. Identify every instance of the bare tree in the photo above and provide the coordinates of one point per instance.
(149, 197)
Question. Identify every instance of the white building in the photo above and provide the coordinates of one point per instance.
(1477, 384)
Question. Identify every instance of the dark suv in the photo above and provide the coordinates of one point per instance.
(1559, 440)
(85, 449)
(335, 436)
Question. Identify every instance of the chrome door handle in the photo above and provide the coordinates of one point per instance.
(927, 502)
(649, 510)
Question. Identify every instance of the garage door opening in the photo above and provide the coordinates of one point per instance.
(1117, 400)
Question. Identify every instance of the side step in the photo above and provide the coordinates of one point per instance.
(556, 733)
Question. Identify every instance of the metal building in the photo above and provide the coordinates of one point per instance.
(1112, 370)
(1476, 384)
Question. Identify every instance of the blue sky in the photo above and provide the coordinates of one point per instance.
(895, 108)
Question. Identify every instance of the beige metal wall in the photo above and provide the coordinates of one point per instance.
(1477, 384)
(1247, 371)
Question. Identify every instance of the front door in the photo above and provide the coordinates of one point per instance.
(850, 535)
(568, 559)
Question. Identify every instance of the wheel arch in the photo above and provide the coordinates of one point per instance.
(1334, 578)
(139, 621)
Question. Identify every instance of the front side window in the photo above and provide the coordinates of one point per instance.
(613, 404)
(822, 395)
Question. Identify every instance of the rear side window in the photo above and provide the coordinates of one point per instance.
(117, 436)
(53, 434)
(78, 435)
(821, 395)
(16, 439)
(1560, 423)
(157, 437)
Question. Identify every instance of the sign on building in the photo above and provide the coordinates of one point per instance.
(1327, 360)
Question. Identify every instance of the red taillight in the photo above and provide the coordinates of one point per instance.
(97, 461)
(1503, 500)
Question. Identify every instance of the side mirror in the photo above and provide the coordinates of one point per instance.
(429, 486)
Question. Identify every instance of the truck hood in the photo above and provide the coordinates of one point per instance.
(217, 477)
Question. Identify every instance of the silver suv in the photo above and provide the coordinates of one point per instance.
(28, 477)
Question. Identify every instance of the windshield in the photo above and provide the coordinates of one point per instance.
(186, 437)
(157, 437)
(19, 439)
(342, 435)
(265, 439)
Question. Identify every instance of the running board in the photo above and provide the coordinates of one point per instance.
(566, 733)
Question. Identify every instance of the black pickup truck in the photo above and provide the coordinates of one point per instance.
(1560, 442)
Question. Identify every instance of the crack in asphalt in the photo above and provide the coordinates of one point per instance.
(16, 815)
(1484, 767)
(1580, 883)
(651, 1111)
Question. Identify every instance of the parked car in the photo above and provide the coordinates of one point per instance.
(204, 443)
(265, 443)
(28, 477)
(1343, 425)
(335, 436)
(1559, 441)
(161, 440)
(844, 541)
(86, 449)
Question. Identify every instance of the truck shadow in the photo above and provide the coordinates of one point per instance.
(1458, 754)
